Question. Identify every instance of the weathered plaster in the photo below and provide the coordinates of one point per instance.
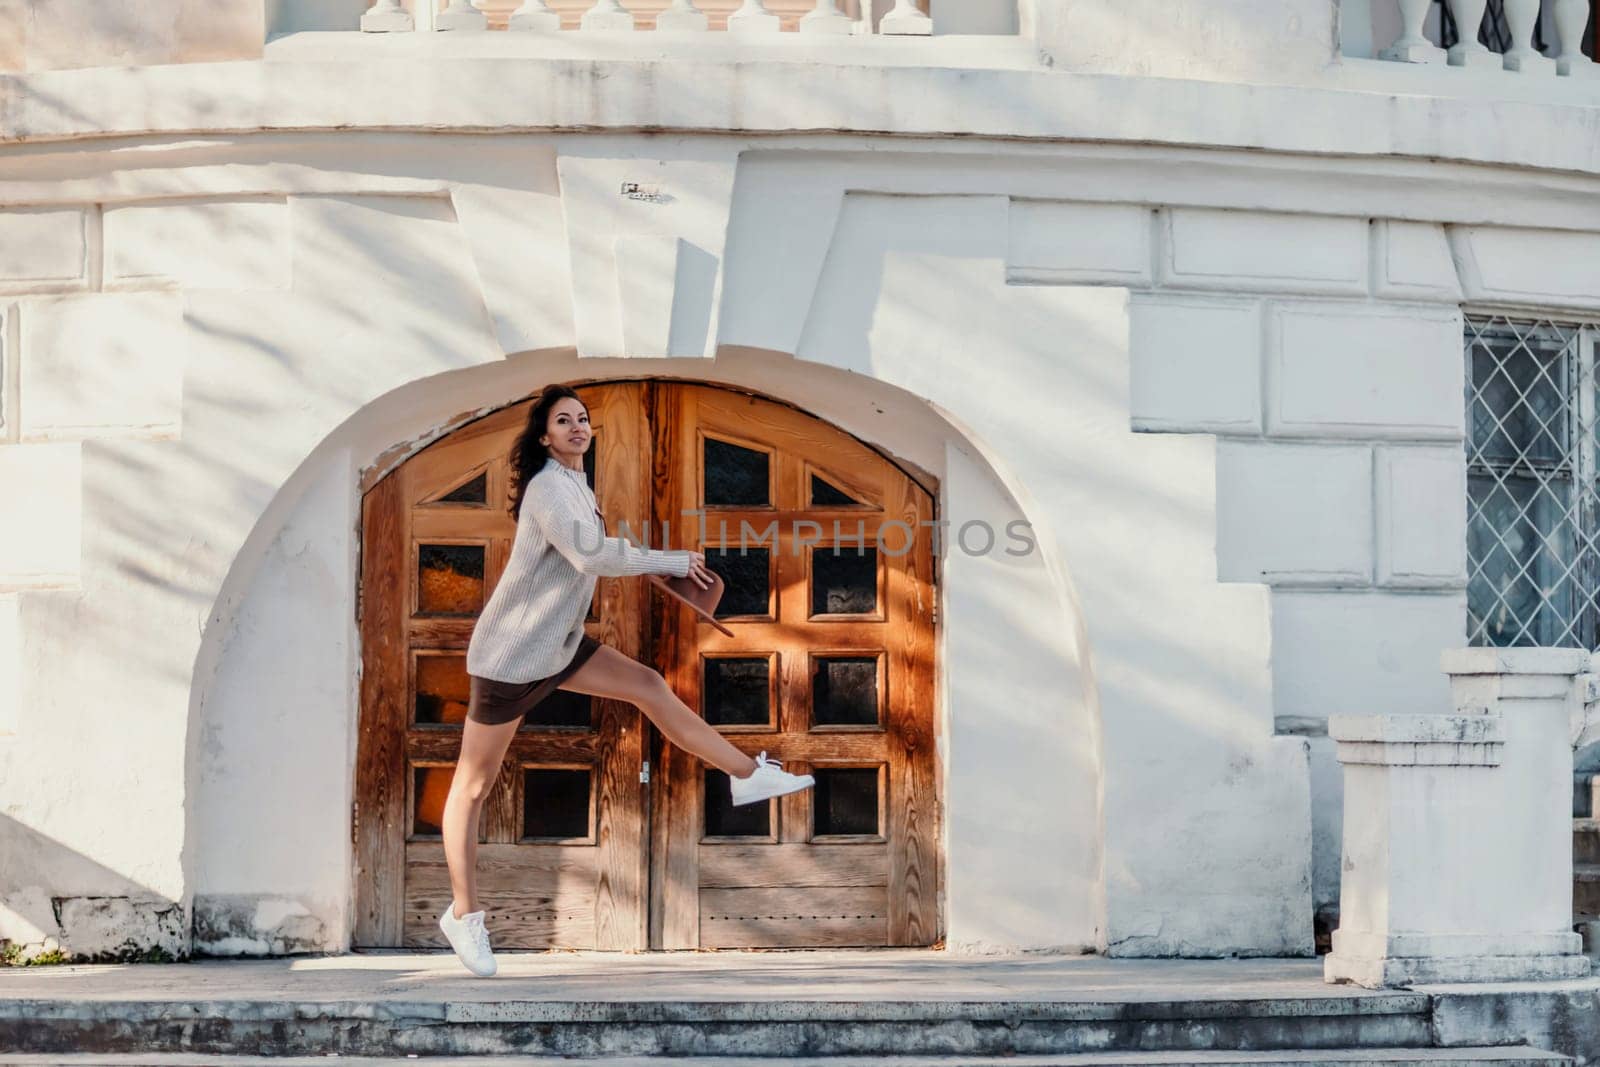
(253, 925)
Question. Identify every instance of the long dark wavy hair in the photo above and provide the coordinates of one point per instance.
(528, 455)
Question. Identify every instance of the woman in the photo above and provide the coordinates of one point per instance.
(529, 641)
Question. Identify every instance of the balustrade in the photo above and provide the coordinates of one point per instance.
(1555, 37)
(887, 17)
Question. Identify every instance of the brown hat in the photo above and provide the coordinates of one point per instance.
(703, 601)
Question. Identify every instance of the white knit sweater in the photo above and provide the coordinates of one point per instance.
(532, 625)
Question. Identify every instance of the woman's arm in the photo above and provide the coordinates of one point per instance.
(570, 524)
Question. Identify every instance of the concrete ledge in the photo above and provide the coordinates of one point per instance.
(1300, 726)
(1531, 943)
(1513, 660)
(606, 1005)
(360, 84)
(1419, 740)
(1487, 1056)
(713, 1011)
(360, 1029)
(1564, 1015)
(1383, 973)
(1418, 729)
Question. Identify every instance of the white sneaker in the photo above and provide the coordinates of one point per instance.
(767, 782)
(470, 939)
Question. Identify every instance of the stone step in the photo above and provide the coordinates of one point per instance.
(620, 1029)
(1586, 889)
(1586, 840)
(1507, 1056)
(1583, 794)
(1588, 928)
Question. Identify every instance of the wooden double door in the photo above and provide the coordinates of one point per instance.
(596, 833)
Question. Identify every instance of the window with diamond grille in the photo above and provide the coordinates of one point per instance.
(1533, 562)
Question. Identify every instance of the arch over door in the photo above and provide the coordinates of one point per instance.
(829, 571)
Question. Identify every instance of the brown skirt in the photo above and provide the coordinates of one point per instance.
(493, 703)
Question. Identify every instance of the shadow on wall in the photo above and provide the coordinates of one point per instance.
(117, 919)
(121, 920)
(1180, 661)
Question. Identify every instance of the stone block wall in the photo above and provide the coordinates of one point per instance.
(1337, 395)
(1238, 433)
(93, 357)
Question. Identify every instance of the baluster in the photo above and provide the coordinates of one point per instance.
(1523, 16)
(385, 16)
(1572, 18)
(753, 17)
(606, 15)
(461, 15)
(682, 15)
(1469, 51)
(826, 18)
(1411, 46)
(535, 15)
(905, 20)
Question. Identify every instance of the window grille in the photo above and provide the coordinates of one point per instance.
(1533, 515)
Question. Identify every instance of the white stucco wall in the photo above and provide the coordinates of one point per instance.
(51, 34)
(275, 721)
(1225, 388)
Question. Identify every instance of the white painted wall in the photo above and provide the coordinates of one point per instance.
(53, 34)
(1226, 397)
(1022, 743)
(276, 736)
(912, 290)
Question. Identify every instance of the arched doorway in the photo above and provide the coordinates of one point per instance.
(596, 836)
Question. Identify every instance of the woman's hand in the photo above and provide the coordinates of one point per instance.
(699, 573)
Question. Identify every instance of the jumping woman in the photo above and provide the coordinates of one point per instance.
(529, 642)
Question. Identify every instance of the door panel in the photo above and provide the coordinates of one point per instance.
(823, 613)
(562, 855)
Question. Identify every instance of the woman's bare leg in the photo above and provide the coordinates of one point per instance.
(482, 749)
(610, 674)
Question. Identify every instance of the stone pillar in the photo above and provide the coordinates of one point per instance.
(606, 15)
(1572, 17)
(1458, 831)
(1411, 46)
(905, 20)
(461, 15)
(1468, 51)
(827, 18)
(1522, 16)
(536, 16)
(753, 17)
(684, 16)
(386, 16)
